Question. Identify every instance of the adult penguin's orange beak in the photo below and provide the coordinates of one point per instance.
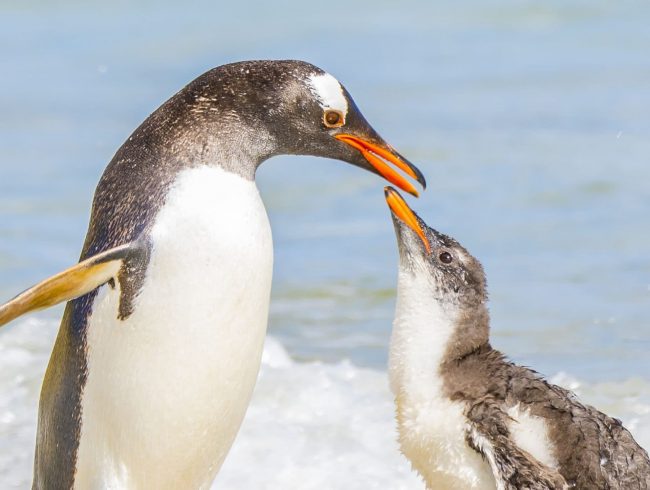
(378, 153)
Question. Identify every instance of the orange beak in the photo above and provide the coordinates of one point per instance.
(375, 155)
(400, 209)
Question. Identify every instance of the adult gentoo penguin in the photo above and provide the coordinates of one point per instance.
(156, 358)
(469, 418)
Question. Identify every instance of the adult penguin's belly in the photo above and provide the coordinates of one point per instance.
(168, 387)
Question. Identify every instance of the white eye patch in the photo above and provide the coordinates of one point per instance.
(328, 91)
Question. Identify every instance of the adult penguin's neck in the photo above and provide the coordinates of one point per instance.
(188, 131)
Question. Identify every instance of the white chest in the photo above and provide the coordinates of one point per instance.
(431, 427)
(168, 387)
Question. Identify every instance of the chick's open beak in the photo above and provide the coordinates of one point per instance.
(377, 154)
(400, 209)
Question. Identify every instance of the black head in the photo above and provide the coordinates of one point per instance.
(456, 277)
(290, 107)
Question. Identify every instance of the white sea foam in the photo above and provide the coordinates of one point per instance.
(310, 425)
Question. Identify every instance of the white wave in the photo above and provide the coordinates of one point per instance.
(317, 426)
(24, 350)
(310, 425)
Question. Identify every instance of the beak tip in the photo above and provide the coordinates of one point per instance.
(421, 180)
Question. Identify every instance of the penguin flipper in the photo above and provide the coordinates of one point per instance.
(513, 467)
(68, 284)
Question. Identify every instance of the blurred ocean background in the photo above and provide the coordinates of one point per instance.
(530, 120)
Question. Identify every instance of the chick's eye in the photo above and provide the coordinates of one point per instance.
(333, 119)
(445, 257)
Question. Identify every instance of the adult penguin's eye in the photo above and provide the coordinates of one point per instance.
(333, 119)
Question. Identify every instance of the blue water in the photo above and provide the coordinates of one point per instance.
(531, 122)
